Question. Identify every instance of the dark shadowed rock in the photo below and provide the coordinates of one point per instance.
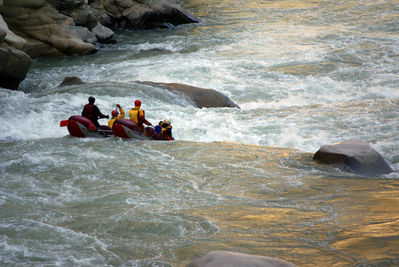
(203, 98)
(220, 258)
(144, 14)
(14, 66)
(357, 155)
(71, 81)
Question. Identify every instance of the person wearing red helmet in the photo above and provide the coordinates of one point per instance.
(92, 112)
(116, 116)
(137, 115)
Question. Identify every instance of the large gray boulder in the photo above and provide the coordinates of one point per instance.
(203, 98)
(220, 258)
(357, 155)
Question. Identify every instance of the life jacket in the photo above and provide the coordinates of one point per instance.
(164, 131)
(88, 112)
(135, 114)
(111, 122)
(121, 116)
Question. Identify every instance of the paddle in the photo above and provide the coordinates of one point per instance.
(104, 131)
(63, 123)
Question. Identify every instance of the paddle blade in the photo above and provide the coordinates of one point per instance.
(63, 123)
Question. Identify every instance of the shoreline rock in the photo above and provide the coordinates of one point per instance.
(42, 28)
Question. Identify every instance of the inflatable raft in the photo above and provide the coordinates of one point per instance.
(79, 126)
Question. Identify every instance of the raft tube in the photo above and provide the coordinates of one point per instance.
(79, 126)
(129, 129)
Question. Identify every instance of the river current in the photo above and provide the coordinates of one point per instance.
(305, 73)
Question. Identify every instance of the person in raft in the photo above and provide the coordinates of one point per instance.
(115, 116)
(92, 112)
(164, 128)
(137, 115)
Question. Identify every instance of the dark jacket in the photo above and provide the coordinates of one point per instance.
(92, 112)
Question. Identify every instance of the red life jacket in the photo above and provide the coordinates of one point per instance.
(88, 112)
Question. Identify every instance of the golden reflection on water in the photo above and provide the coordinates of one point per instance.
(378, 236)
(270, 207)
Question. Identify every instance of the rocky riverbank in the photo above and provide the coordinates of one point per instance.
(39, 28)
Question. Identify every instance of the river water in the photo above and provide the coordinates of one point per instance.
(305, 73)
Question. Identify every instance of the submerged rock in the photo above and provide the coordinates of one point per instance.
(71, 81)
(203, 98)
(357, 155)
(235, 259)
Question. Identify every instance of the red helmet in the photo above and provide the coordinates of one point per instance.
(137, 103)
(114, 113)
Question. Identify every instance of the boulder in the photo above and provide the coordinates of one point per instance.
(71, 81)
(10, 37)
(103, 34)
(203, 98)
(85, 16)
(3, 34)
(219, 258)
(143, 14)
(357, 155)
(13, 67)
(83, 34)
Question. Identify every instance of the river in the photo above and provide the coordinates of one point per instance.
(305, 73)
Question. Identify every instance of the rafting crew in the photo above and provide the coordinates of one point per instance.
(115, 116)
(136, 114)
(92, 112)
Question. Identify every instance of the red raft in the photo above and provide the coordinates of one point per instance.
(79, 126)
(129, 129)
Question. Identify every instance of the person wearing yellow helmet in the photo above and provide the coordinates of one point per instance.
(116, 116)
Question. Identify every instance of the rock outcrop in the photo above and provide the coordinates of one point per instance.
(38, 28)
(357, 155)
(219, 258)
(203, 98)
(46, 31)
